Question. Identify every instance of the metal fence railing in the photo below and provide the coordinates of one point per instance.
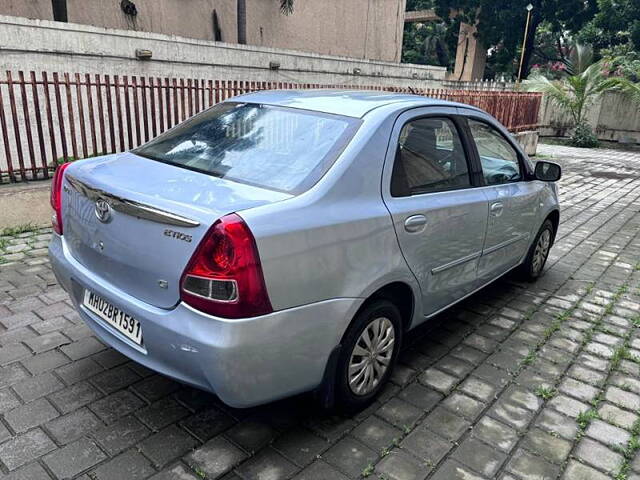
(49, 118)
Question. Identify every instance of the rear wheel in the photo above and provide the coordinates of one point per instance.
(533, 265)
(369, 352)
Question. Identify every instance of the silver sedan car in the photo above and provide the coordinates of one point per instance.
(286, 241)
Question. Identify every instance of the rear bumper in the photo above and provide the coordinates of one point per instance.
(245, 362)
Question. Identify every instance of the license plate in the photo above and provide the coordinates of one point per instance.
(121, 321)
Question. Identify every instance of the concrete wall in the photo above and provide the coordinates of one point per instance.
(613, 117)
(355, 28)
(65, 47)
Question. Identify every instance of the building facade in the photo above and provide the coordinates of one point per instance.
(367, 29)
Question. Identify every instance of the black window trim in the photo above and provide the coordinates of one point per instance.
(525, 173)
(459, 126)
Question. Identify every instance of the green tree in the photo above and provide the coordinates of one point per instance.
(501, 23)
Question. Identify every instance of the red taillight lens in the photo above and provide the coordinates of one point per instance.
(224, 277)
(56, 198)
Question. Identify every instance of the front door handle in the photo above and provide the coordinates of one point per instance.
(415, 223)
(496, 209)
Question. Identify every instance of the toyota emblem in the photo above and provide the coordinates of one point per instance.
(103, 211)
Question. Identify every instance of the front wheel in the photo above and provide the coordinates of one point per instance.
(532, 267)
(369, 351)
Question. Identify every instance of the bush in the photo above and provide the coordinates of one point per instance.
(584, 137)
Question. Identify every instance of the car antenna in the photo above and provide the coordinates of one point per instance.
(412, 90)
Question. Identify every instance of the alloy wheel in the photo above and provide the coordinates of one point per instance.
(371, 356)
(541, 251)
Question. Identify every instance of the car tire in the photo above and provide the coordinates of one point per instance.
(381, 323)
(536, 258)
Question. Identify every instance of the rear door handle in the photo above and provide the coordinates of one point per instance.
(496, 209)
(415, 223)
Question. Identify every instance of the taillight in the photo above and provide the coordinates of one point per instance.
(56, 198)
(224, 277)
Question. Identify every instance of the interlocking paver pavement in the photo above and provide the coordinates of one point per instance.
(521, 381)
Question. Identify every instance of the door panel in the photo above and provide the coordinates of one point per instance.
(439, 218)
(509, 227)
(512, 202)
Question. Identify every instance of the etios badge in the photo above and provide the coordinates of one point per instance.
(103, 211)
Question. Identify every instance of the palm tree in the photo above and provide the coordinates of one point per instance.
(286, 7)
(583, 83)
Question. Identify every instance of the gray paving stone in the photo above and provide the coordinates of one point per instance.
(616, 416)
(400, 466)
(568, 406)
(82, 348)
(208, 423)
(478, 388)
(25, 448)
(78, 370)
(116, 405)
(8, 400)
(73, 459)
(479, 457)
(176, 472)
(446, 423)
(268, 464)
(162, 413)
(74, 397)
(376, 433)
(44, 362)
(578, 471)
(320, 470)
(129, 465)
(47, 342)
(115, 379)
(624, 399)
(438, 380)
(399, 413)
(548, 446)
(530, 467)
(12, 353)
(301, 446)
(453, 470)
(511, 413)
(121, 434)
(167, 445)
(31, 415)
(36, 387)
(33, 471)
(495, 433)
(426, 445)
(598, 455)
(607, 434)
(215, 458)
(350, 456)
(463, 405)
(420, 396)
(72, 426)
(581, 391)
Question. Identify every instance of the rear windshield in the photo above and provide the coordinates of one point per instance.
(282, 149)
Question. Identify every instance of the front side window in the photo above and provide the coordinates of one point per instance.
(272, 147)
(498, 158)
(430, 158)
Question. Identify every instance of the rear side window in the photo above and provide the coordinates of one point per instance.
(272, 147)
(498, 158)
(430, 158)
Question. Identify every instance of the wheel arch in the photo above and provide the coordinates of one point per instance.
(400, 294)
(554, 216)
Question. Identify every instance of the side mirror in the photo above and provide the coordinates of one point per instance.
(547, 171)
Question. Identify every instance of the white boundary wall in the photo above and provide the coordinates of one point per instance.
(42, 45)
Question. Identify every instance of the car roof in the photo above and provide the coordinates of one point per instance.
(351, 103)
